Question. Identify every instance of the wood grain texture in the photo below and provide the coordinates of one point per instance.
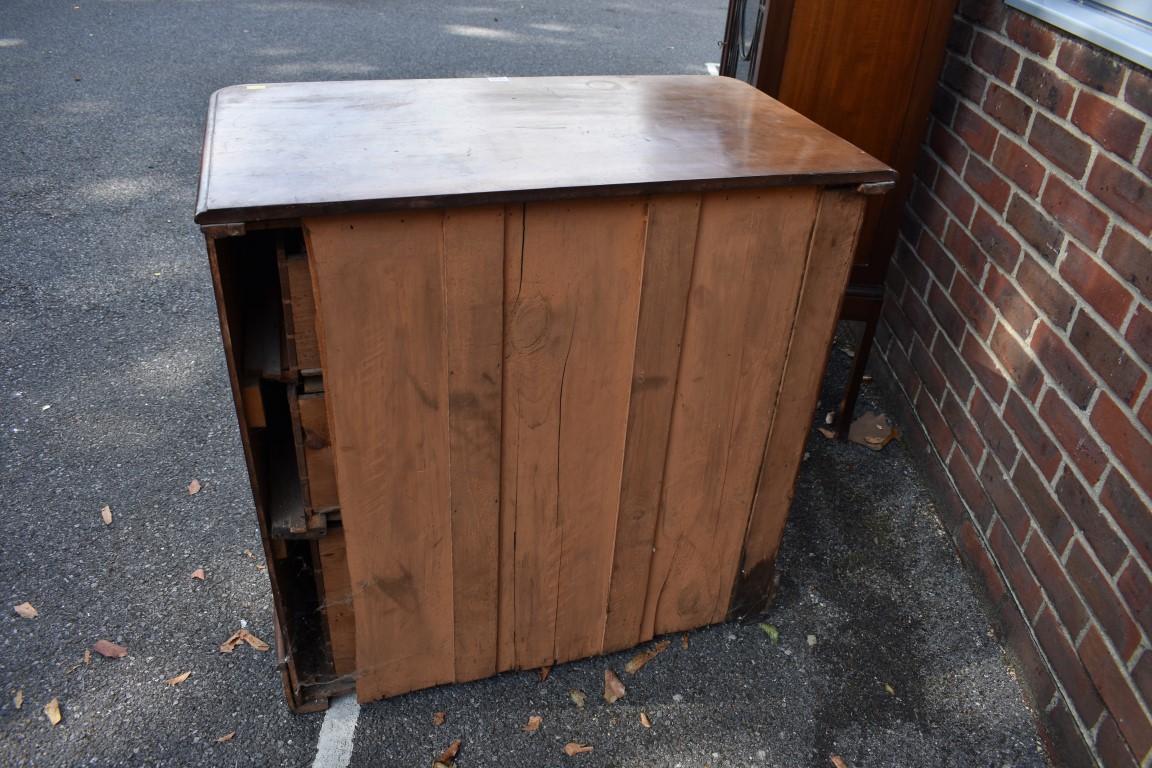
(833, 241)
(337, 604)
(745, 281)
(317, 444)
(303, 149)
(474, 300)
(303, 314)
(569, 348)
(381, 292)
(668, 253)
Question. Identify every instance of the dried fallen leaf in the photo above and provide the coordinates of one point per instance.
(830, 417)
(577, 697)
(438, 718)
(838, 761)
(772, 632)
(534, 723)
(545, 671)
(642, 658)
(109, 649)
(242, 636)
(572, 748)
(828, 433)
(194, 487)
(644, 721)
(613, 688)
(890, 689)
(18, 699)
(106, 515)
(197, 574)
(178, 679)
(684, 642)
(448, 755)
(26, 610)
(52, 711)
(811, 640)
(260, 566)
(87, 657)
(872, 431)
(226, 737)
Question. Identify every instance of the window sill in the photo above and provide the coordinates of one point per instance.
(1112, 31)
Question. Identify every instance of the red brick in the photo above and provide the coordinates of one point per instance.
(1108, 358)
(949, 318)
(902, 371)
(1068, 152)
(1081, 217)
(929, 372)
(954, 195)
(937, 428)
(1063, 366)
(1007, 108)
(1062, 655)
(964, 78)
(1138, 92)
(1035, 227)
(1145, 165)
(912, 267)
(1085, 514)
(973, 551)
(947, 147)
(918, 315)
(1137, 591)
(930, 211)
(1131, 257)
(1017, 361)
(965, 251)
(1093, 282)
(944, 105)
(1031, 435)
(1095, 69)
(1113, 128)
(1043, 288)
(1027, 32)
(1103, 601)
(1018, 164)
(1142, 675)
(1079, 445)
(1019, 576)
(1013, 307)
(1112, 747)
(1115, 688)
(975, 130)
(1145, 414)
(963, 429)
(1003, 495)
(1123, 191)
(960, 35)
(986, 13)
(1073, 615)
(1130, 513)
(980, 314)
(1139, 333)
(893, 315)
(1046, 511)
(996, 434)
(1045, 87)
(936, 259)
(969, 488)
(985, 368)
(994, 57)
(995, 241)
(955, 371)
(1064, 736)
(927, 168)
(993, 189)
(1118, 431)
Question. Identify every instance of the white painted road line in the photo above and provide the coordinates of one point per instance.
(334, 747)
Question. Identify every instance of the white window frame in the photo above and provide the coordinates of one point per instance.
(1123, 27)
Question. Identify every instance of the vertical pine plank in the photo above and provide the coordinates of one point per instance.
(829, 261)
(669, 247)
(570, 345)
(381, 316)
(474, 297)
(746, 280)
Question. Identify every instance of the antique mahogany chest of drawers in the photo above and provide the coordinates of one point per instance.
(524, 368)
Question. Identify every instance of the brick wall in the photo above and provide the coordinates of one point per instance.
(1018, 324)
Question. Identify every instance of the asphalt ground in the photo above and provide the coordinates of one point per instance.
(113, 392)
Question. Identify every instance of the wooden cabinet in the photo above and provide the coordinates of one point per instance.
(523, 368)
(865, 71)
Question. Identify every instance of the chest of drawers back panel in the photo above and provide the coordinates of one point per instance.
(553, 422)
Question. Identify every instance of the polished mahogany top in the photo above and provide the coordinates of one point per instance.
(284, 150)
